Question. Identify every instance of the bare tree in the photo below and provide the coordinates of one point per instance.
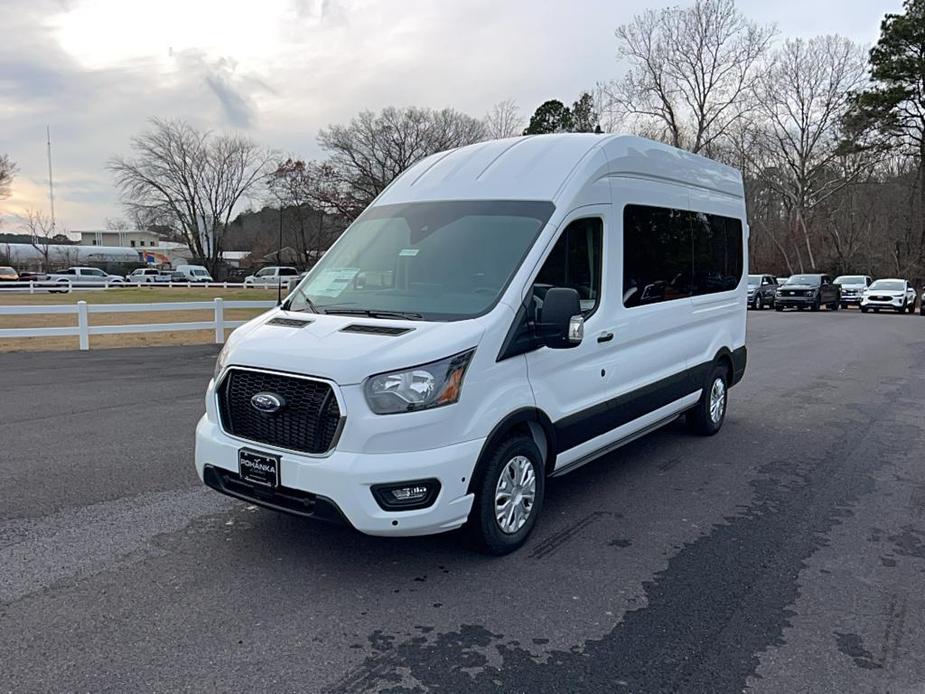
(504, 120)
(370, 152)
(190, 181)
(299, 190)
(117, 224)
(7, 171)
(41, 231)
(690, 71)
(800, 101)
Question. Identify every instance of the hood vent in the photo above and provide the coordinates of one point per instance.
(289, 322)
(376, 330)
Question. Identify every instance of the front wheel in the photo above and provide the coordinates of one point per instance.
(707, 416)
(508, 496)
(759, 304)
(779, 309)
(863, 309)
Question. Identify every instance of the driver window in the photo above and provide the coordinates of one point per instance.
(575, 262)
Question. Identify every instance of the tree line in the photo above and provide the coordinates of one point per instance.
(830, 137)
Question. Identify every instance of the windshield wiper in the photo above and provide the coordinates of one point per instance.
(372, 313)
(308, 302)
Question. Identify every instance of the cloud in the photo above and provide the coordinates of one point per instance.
(229, 89)
(97, 70)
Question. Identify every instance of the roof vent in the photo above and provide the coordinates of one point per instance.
(376, 330)
(289, 322)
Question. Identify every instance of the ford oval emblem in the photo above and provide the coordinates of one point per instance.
(268, 403)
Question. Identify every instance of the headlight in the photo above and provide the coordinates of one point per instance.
(220, 361)
(418, 388)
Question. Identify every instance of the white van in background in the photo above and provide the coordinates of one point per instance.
(193, 273)
(502, 313)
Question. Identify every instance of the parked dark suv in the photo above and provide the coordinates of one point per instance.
(808, 291)
(761, 291)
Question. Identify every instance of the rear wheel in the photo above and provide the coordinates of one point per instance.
(707, 416)
(508, 496)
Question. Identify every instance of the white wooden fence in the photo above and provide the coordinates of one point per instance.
(37, 286)
(83, 330)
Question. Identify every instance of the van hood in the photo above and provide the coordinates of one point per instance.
(323, 348)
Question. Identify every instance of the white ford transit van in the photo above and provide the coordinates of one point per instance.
(502, 313)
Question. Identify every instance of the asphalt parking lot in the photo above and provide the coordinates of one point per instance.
(785, 554)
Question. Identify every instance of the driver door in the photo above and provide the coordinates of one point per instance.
(571, 385)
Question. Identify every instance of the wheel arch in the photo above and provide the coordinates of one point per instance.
(530, 421)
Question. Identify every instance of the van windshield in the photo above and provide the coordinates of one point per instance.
(430, 260)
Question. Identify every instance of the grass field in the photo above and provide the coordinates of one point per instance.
(123, 296)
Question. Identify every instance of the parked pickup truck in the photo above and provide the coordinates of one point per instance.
(82, 277)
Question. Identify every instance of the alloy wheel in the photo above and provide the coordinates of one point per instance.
(515, 494)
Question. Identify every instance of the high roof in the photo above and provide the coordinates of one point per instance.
(538, 167)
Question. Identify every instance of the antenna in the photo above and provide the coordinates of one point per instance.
(51, 184)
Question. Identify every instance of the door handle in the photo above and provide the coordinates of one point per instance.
(605, 337)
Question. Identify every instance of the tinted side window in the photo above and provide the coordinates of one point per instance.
(575, 261)
(717, 246)
(656, 255)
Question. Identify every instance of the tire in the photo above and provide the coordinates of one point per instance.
(779, 309)
(707, 416)
(759, 304)
(864, 309)
(483, 529)
(834, 306)
(876, 310)
(844, 306)
(816, 305)
(911, 308)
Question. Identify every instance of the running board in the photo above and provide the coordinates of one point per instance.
(610, 447)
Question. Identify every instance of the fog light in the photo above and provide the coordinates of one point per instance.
(405, 496)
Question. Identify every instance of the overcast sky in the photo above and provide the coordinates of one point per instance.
(278, 70)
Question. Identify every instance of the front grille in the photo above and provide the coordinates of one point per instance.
(307, 422)
(881, 298)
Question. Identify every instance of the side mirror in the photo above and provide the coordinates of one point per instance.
(561, 322)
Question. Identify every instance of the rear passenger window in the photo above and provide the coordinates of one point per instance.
(656, 255)
(674, 254)
(575, 262)
(717, 253)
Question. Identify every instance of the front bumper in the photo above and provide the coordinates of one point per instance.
(894, 304)
(786, 301)
(855, 299)
(338, 486)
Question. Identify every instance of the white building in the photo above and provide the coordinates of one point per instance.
(128, 238)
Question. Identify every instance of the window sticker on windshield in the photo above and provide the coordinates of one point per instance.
(332, 282)
(409, 251)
